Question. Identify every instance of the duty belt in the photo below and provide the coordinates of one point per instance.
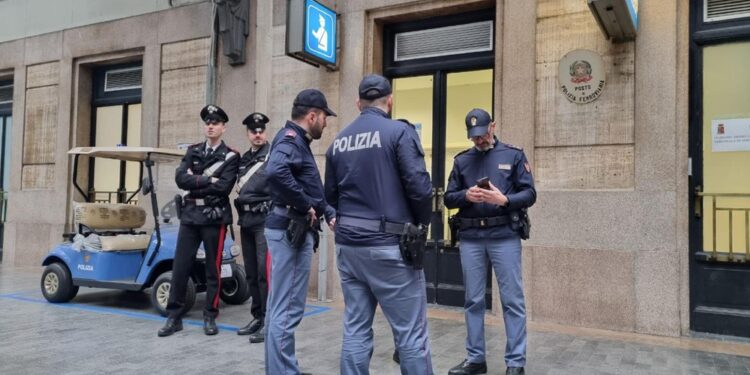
(195, 202)
(372, 225)
(483, 222)
(287, 212)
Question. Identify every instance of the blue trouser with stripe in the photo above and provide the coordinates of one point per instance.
(505, 256)
(290, 271)
(372, 275)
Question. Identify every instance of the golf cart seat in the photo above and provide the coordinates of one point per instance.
(114, 224)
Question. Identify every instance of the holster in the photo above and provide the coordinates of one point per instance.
(454, 224)
(297, 229)
(178, 205)
(412, 244)
(520, 222)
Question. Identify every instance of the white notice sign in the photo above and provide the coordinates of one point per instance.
(730, 135)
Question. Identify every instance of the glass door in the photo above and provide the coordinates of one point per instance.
(115, 181)
(437, 105)
(720, 275)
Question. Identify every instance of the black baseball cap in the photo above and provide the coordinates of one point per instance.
(313, 98)
(256, 121)
(374, 86)
(213, 113)
(477, 122)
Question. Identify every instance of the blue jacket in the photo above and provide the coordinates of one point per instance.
(293, 177)
(507, 169)
(375, 170)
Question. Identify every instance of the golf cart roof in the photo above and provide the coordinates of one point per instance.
(130, 153)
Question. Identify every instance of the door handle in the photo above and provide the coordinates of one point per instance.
(439, 193)
(698, 203)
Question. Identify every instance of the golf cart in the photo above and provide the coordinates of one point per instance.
(108, 247)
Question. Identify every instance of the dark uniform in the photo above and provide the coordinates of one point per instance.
(204, 217)
(295, 186)
(491, 232)
(377, 181)
(253, 203)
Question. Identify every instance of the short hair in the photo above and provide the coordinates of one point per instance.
(300, 111)
(379, 102)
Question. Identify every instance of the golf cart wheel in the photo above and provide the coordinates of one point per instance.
(234, 290)
(160, 294)
(57, 284)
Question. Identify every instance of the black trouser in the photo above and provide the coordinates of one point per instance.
(254, 250)
(189, 239)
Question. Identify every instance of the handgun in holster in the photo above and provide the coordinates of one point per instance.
(178, 205)
(520, 222)
(412, 244)
(454, 224)
(296, 231)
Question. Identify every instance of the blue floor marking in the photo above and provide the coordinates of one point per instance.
(18, 296)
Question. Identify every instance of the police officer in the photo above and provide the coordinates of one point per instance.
(298, 203)
(206, 175)
(491, 224)
(253, 203)
(377, 181)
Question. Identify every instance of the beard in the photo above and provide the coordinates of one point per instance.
(316, 131)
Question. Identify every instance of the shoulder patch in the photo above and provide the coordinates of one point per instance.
(462, 152)
(513, 147)
(290, 133)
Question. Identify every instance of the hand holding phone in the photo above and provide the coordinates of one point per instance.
(484, 183)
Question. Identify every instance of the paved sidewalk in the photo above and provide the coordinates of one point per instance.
(114, 332)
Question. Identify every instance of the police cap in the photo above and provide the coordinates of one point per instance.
(256, 121)
(374, 86)
(477, 122)
(213, 113)
(313, 98)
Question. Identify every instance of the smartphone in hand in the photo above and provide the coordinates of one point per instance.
(484, 183)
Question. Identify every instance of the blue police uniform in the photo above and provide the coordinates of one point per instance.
(376, 180)
(486, 232)
(295, 186)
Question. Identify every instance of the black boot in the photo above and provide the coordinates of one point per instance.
(468, 368)
(209, 326)
(259, 336)
(171, 326)
(514, 371)
(251, 327)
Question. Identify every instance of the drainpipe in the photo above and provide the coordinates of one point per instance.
(211, 71)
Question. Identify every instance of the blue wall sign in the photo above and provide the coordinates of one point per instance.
(320, 31)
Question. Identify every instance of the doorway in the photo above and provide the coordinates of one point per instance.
(720, 177)
(116, 121)
(435, 91)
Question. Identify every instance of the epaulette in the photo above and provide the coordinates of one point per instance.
(195, 144)
(290, 133)
(462, 152)
(513, 147)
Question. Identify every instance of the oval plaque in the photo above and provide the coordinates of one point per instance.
(581, 76)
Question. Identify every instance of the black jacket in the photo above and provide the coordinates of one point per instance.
(254, 198)
(201, 189)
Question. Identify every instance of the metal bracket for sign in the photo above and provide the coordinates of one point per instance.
(295, 36)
